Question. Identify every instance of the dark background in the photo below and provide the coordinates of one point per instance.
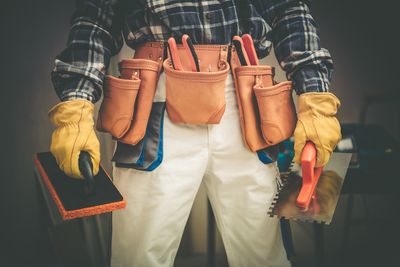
(361, 36)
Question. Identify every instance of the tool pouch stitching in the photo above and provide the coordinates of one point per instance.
(148, 71)
(195, 97)
(276, 110)
(130, 112)
(258, 129)
(116, 110)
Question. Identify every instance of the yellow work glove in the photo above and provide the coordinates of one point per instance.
(317, 123)
(74, 133)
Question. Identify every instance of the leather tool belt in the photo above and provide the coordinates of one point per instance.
(267, 113)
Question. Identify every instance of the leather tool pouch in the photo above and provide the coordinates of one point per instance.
(276, 110)
(195, 97)
(127, 102)
(267, 113)
(147, 71)
(116, 110)
(198, 97)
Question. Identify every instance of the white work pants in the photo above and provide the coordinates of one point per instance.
(148, 231)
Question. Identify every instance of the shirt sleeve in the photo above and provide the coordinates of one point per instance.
(95, 36)
(297, 45)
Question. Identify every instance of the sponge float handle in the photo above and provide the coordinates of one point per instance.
(86, 168)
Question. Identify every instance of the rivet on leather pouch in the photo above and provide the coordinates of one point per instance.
(116, 110)
(277, 111)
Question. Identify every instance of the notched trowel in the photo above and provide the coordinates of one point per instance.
(308, 193)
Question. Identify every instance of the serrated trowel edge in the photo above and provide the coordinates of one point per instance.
(281, 184)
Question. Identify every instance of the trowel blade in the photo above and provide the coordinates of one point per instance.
(325, 197)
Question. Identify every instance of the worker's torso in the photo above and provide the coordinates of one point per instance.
(206, 22)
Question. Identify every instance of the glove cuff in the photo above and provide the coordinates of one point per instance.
(323, 104)
(72, 112)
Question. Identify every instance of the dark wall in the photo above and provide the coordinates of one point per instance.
(33, 32)
(359, 34)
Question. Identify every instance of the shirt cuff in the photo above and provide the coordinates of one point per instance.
(77, 95)
(310, 79)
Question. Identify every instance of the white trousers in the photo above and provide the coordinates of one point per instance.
(148, 231)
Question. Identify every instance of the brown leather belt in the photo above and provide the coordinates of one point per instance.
(210, 56)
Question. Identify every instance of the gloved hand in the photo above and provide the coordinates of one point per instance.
(316, 122)
(74, 133)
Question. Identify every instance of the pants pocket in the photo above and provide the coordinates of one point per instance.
(147, 71)
(276, 110)
(116, 110)
(195, 97)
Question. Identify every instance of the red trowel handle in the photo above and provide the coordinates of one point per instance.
(310, 175)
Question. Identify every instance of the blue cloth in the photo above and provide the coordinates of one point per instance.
(147, 154)
(269, 154)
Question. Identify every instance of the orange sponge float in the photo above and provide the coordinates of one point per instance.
(68, 194)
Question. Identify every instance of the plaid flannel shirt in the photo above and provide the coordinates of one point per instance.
(98, 28)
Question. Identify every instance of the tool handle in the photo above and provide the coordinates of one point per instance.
(238, 43)
(189, 48)
(310, 175)
(250, 50)
(173, 50)
(86, 168)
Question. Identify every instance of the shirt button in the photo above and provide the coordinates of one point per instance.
(208, 16)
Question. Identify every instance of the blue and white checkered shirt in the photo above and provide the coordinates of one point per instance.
(98, 28)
